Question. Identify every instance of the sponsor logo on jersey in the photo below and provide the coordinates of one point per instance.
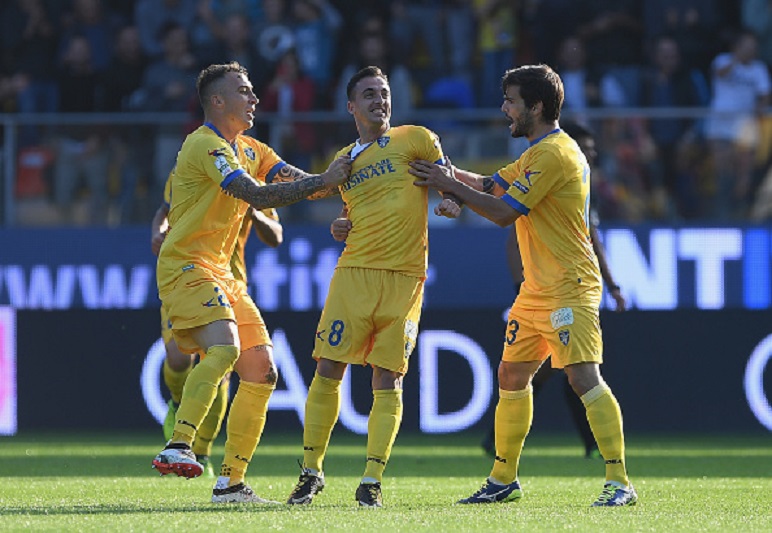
(527, 175)
(522, 188)
(564, 336)
(218, 152)
(380, 168)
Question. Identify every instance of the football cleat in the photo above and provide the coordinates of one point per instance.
(238, 493)
(177, 459)
(616, 495)
(308, 486)
(170, 420)
(493, 492)
(206, 464)
(369, 495)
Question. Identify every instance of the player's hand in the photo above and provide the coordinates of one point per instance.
(447, 208)
(156, 241)
(340, 229)
(619, 299)
(338, 171)
(432, 175)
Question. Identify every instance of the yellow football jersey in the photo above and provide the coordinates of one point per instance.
(550, 184)
(388, 214)
(204, 221)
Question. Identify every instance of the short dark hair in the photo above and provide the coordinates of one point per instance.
(208, 76)
(576, 131)
(537, 83)
(367, 72)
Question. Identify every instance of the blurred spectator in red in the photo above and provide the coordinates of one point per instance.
(292, 91)
(741, 91)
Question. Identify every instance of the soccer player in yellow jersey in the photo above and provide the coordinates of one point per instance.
(217, 178)
(178, 365)
(546, 193)
(374, 303)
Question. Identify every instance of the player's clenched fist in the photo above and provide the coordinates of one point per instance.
(338, 171)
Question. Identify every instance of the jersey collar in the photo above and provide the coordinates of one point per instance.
(556, 130)
(214, 129)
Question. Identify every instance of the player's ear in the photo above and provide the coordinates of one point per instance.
(350, 107)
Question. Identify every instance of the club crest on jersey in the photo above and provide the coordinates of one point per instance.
(250, 153)
(383, 141)
(564, 336)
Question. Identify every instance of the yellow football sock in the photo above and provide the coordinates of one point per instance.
(514, 414)
(212, 423)
(175, 381)
(322, 408)
(605, 419)
(382, 428)
(245, 427)
(201, 389)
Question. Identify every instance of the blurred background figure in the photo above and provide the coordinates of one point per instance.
(741, 91)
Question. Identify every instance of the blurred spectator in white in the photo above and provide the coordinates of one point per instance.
(741, 91)
(81, 150)
(668, 83)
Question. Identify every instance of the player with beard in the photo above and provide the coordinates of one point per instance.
(546, 193)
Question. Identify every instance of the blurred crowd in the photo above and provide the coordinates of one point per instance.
(673, 56)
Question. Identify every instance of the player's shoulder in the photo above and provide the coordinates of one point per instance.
(345, 150)
(412, 131)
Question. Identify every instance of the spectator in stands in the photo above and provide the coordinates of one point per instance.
(373, 50)
(88, 18)
(757, 17)
(612, 33)
(668, 83)
(235, 42)
(81, 150)
(416, 26)
(741, 90)
(546, 24)
(693, 24)
(29, 39)
(168, 85)
(292, 91)
(151, 16)
(315, 26)
(496, 21)
(273, 38)
(121, 81)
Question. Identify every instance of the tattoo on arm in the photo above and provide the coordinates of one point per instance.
(275, 194)
(488, 184)
(288, 174)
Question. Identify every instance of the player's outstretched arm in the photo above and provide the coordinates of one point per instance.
(442, 178)
(289, 173)
(605, 271)
(287, 193)
(268, 230)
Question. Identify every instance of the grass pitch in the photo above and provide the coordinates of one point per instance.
(105, 483)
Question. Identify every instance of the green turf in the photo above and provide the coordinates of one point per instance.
(104, 483)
